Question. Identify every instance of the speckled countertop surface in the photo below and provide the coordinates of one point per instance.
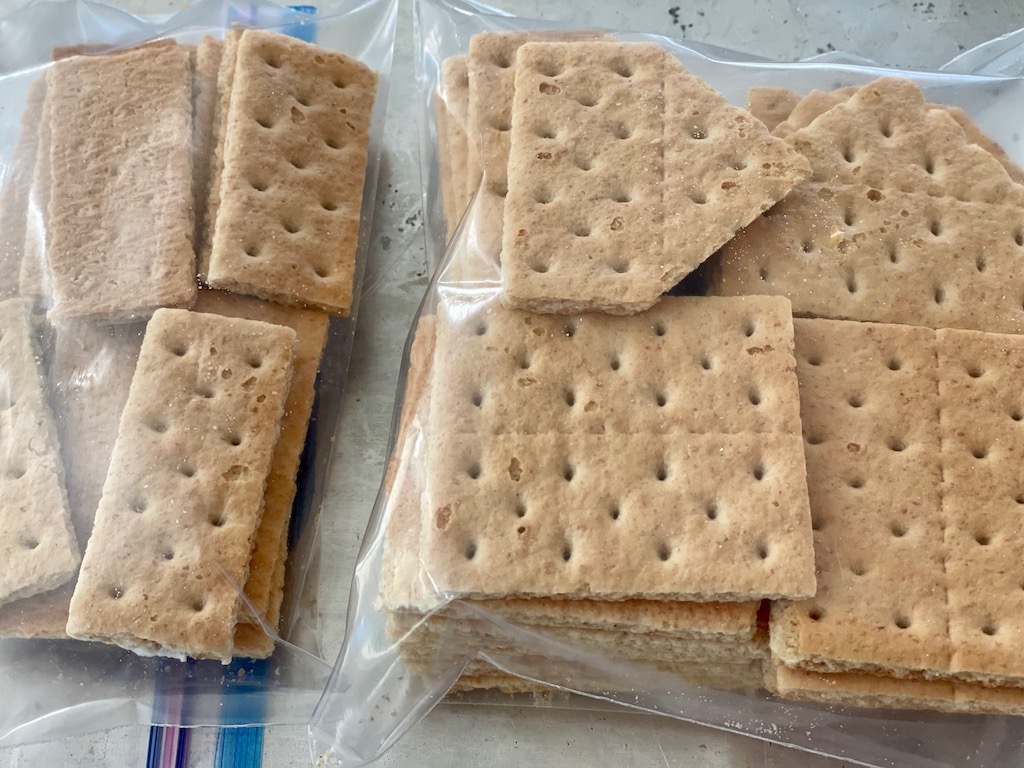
(895, 32)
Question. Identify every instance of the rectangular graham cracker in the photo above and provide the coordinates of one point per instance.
(625, 173)
(90, 372)
(170, 548)
(36, 536)
(310, 327)
(981, 410)
(868, 401)
(205, 130)
(402, 583)
(121, 128)
(15, 190)
(291, 190)
(564, 496)
(771, 104)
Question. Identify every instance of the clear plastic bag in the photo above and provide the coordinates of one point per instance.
(61, 687)
(375, 694)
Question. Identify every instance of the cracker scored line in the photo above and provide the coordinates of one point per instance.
(36, 536)
(295, 152)
(182, 501)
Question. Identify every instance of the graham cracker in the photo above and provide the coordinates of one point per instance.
(771, 104)
(981, 409)
(625, 173)
(121, 135)
(565, 498)
(403, 588)
(17, 185)
(218, 134)
(291, 190)
(310, 329)
(205, 130)
(181, 505)
(868, 401)
(37, 540)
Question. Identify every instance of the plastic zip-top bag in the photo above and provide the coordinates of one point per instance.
(710, 408)
(185, 206)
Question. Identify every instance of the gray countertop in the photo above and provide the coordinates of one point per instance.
(896, 32)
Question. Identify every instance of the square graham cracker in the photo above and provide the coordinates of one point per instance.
(625, 173)
(291, 190)
(403, 589)
(37, 540)
(119, 235)
(170, 548)
(566, 498)
(310, 328)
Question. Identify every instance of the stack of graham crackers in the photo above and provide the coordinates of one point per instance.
(616, 467)
(170, 412)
